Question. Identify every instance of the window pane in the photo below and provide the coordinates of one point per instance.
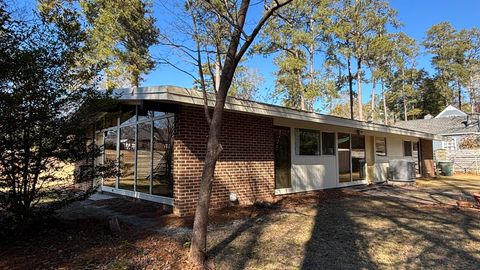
(109, 121)
(144, 156)
(146, 114)
(98, 147)
(308, 142)
(162, 182)
(358, 157)
(416, 156)
(127, 157)
(343, 141)
(381, 146)
(328, 143)
(282, 161)
(110, 153)
(128, 117)
(407, 148)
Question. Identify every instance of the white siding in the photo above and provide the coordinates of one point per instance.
(394, 151)
(321, 172)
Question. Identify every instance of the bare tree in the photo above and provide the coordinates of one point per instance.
(219, 32)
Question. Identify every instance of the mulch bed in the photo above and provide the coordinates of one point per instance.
(88, 244)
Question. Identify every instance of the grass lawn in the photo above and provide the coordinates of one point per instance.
(328, 230)
(353, 233)
(465, 183)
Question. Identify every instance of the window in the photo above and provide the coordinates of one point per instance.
(110, 157)
(307, 142)
(144, 156)
(162, 181)
(139, 152)
(127, 158)
(381, 146)
(450, 144)
(328, 143)
(407, 148)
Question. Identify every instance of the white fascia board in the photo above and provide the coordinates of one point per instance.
(460, 133)
(182, 95)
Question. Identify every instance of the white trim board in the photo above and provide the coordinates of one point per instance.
(139, 195)
(184, 96)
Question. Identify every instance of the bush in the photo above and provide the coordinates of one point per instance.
(42, 86)
(470, 142)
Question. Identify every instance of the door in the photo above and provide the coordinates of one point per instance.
(344, 164)
(351, 157)
(358, 157)
(282, 159)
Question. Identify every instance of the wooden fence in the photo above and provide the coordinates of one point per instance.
(465, 161)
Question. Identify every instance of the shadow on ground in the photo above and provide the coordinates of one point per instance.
(351, 233)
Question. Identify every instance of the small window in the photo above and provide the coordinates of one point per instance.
(381, 146)
(450, 144)
(328, 143)
(307, 142)
(407, 148)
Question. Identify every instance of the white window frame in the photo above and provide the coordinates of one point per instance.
(386, 148)
(134, 193)
(297, 142)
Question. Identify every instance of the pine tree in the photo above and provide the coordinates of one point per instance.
(296, 36)
(120, 34)
(356, 24)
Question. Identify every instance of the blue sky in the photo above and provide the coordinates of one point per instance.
(417, 17)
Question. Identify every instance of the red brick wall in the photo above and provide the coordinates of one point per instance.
(245, 166)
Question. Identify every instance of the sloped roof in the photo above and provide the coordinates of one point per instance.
(450, 111)
(441, 126)
(173, 94)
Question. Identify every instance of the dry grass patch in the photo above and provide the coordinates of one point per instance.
(352, 233)
(464, 183)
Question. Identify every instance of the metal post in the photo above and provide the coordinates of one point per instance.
(151, 156)
(135, 156)
(117, 165)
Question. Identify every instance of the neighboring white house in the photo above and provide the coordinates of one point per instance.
(454, 125)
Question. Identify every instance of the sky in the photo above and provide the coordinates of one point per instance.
(416, 15)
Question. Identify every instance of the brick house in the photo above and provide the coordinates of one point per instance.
(156, 140)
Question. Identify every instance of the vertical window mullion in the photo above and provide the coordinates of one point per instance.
(351, 161)
(151, 157)
(136, 151)
(117, 165)
(319, 136)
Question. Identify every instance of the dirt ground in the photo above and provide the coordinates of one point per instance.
(379, 227)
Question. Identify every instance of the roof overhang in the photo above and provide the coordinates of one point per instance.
(185, 96)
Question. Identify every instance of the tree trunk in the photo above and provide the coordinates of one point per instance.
(199, 233)
(300, 85)
(459, 96)
(404, 98)
(233, 56)
(359, 89)
(350, 86)
(472, 97)
(217, 73)
(372, 105)
(385, 117)
(214, 148)
(311, 52)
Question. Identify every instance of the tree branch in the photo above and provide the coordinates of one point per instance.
(258, 27)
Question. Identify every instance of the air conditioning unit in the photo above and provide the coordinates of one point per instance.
(401, 170)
